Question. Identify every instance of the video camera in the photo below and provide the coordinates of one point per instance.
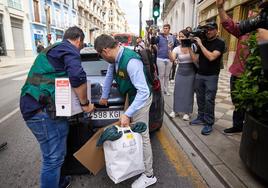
(199, 32)
(252, 24)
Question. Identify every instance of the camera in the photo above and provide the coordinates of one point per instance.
(260, 21)
(199, 32)
(186, 42)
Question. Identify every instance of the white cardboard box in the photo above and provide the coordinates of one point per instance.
(67, 103)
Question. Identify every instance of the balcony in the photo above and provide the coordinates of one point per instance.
(57, 1)
(81, 4)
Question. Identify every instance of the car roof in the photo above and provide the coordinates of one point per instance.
(88, 50)
(89, 54)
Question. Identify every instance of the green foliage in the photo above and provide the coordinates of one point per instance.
(251, 90)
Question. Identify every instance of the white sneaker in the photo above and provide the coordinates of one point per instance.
(143, 181)
(172, 114)
(186, 117)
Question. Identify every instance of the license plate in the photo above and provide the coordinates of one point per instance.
(96, 115)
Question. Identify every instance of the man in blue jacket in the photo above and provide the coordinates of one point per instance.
(37, 102)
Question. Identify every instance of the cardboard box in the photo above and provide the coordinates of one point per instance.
(67, 103)
(90, 156)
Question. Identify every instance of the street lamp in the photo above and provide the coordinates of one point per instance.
(140, 7)
(47, 13)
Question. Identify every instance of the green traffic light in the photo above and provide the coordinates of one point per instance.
(156, 13)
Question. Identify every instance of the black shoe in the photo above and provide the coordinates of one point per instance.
(233, 130)
(3, 146)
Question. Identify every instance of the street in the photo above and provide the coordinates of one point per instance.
(20, 162)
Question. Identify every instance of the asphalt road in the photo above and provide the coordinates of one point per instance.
(20, 162)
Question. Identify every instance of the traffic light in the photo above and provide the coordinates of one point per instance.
(156, 8)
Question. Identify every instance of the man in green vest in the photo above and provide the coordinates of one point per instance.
(127, 69)
(37, 102)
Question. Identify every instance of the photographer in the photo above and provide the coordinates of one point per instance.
(210, 53)
(237, 67)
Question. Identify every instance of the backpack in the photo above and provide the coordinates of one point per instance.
(150, 67)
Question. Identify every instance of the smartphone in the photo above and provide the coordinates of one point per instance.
(186, 43)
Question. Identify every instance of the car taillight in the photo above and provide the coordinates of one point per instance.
(114, 85)
(156, 85)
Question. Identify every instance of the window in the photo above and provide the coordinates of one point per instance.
(58, 17)
(66, 2)
(65, 19)
(15, 4)
(36, 11)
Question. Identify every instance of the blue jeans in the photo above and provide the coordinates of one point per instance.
(52, 137)
(206, 90)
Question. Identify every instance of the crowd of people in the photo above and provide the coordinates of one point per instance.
(198, 62)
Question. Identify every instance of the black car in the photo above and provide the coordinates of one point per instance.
(83, 126)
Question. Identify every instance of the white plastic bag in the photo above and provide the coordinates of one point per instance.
(124, 157)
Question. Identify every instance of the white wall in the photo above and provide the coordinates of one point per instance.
(179, 17)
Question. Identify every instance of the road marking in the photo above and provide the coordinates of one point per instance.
(178, 158)
(13, 74)
(21, 77)
(9, 115)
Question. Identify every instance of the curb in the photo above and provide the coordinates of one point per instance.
(210, 176)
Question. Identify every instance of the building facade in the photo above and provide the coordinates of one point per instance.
(49, 20)
(91, 18)
(179, 14)
(24, 24)
(15, 40)
(236, 9)
(115, 20)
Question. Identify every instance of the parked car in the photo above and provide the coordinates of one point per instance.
(83, 127)
(96, 69)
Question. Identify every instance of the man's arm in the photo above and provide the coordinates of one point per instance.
(107, 84)
(137, 77)
(227, 22)
(211, 56)
(77, 77)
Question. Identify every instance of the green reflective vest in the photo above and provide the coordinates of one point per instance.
(125, 85)
(40, 82)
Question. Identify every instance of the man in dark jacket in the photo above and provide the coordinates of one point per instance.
(37, 102)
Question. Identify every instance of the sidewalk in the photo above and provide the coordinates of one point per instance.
(219, 151)
(6, 61)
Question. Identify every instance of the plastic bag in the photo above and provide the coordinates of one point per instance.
(124, 157)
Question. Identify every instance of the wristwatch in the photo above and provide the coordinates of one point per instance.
(85, 104)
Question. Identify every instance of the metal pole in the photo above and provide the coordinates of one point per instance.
(140, 24)
(140, 7)
(47, 12)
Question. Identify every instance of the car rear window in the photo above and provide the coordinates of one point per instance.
(95, 67)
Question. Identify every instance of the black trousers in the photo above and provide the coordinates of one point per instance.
(238, 114)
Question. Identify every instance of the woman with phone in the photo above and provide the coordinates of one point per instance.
(185, 75)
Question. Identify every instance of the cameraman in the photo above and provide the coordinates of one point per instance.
(237, 67)
(206, 81)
